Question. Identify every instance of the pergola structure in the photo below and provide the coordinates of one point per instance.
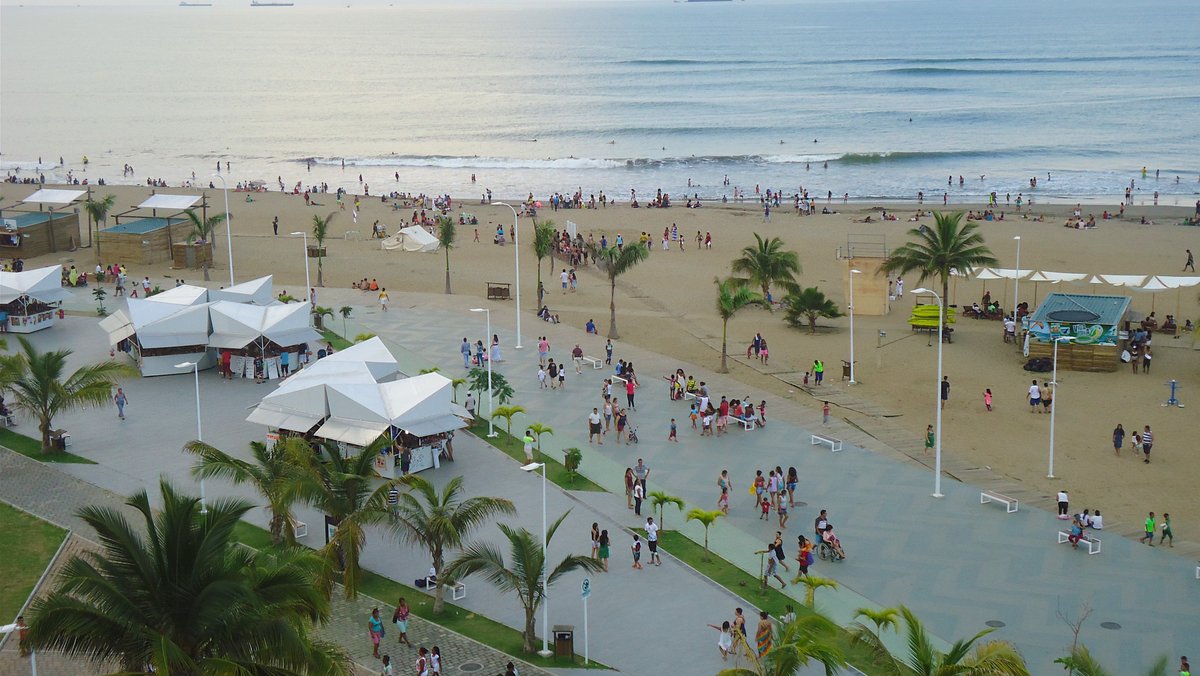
(48, 229)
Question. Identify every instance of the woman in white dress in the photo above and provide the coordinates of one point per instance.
(725, 640)
(496, 348)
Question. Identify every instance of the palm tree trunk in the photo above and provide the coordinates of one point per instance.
(439, 594)
(44, 427)
(529, 634)
(447, 271)
(612, 311)
(946, 301)
(276, 528)
(724, 346)
(320, 273)
(812, 324)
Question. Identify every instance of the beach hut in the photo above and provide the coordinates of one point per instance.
(1093, 322)
(149, 238)
(53, 227)
(30, 300)
(252, 332)
(163, 330)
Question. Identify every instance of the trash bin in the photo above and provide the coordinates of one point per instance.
(60, 439)
(564, 640)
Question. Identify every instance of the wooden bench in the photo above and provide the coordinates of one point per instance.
(1010, 504)
(458, 590)
(299, 528)
(746, 423)
(498, 291)
(596, 363)
(1093, 543)
(835, 445)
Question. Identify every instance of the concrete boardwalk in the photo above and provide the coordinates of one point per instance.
(956, 563)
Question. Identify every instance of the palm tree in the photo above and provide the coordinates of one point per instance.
(447, 232)
(938, 250)
(36, 378)
(202, 231)
(1081, 663)
(814, 583)
(522, 575)
(659, 501)
(994, 658)
(613, 263)
(806, 306)
(543, 247)
(456, 383)
(883, 618)
(181, 597)
(730, 299)
(342, 488)
(441, 521)
(320, 232)
(319, 313)
(766, 263)
(345, 310)
(538, 430)
(811, 638)
(274, 473)
(507, 412)
(97, 211)
(706, 517)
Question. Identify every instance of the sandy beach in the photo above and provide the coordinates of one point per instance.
(666, 304)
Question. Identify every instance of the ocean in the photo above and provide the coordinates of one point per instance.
(895, 95)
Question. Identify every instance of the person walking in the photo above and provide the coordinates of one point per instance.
(120, 400)
(1147, 443)
(804, 557)
(608, 350)
(375, 630)
(929, 439)
(400, 619)
(764, 636)
(383, 299)
(945, 391)
(602, 551)
(777, 550)
(629, 393)
(772, 568)
(528, 441)
(673, 436)
(465, 349)
(1148, 538)
(1118, 438)
(577, 357)
(818, 371)
(638, 494)
(1191, 261)
(1166, 531)
(652, 540)
(594, 429)
(825, 413)
(1035, 398)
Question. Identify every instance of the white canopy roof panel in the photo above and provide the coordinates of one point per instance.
(351, 432)
(185, 294)
(371, 352)
(166, 324)
(176, 202)
(1123, 280)
(118, 326)
(412, 238)
(1178, 282)
(1007, 273)
(1056, 277)
(258, 291)
(51, 196)
(44, 284)
(236, 325)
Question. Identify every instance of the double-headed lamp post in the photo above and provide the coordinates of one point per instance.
(545, 651)
(851, 308)
(491, 407)
(1017, 278)
(517, 251)
(195, 366)
(228, 226)
(937, 400)
(1054, 400)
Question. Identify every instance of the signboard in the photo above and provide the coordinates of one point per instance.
(585, 588)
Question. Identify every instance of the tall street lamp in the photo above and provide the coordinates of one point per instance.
(1017, 278)
(195, 366)
(307, 280)
(1054, 398)
(545, 651)
(852, 273)
(517, 249)
(937, 401)
(491, 406)
(228, 226)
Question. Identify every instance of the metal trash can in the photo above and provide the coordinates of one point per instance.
(564, 640)
(60, 439)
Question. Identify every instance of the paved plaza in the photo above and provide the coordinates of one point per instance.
(959, 565)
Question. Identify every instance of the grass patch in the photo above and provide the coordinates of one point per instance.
(32, 448)
(488, 632)
(27, 543)
(338, 342)
(515, 449)
(749, 587)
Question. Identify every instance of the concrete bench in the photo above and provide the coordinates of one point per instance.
(1198, 572)
(596, 363)
(623, 381)
(746, 423)
(1093, 543)
(299, 528)
(458, 590)
(834, 445)
(1010, 504)
(689, 395)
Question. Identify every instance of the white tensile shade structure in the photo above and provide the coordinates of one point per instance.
(372, 353)
(257, 291)
(412, 238)
(252, 331)
(30, 298)
(165, 334)
(1053, 278)
(172, 202)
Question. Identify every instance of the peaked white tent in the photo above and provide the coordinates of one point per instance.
(257, 291)
(412, 238)
(372, 354)
(163, 330)
(252, 331)
(185, 294)
(28, 299)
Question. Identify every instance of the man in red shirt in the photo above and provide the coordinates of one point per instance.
(723, 416)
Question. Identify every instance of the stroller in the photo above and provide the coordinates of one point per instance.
(633, 437)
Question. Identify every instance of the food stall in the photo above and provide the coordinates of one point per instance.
(163, 330)
(252, 332)
(30, 300)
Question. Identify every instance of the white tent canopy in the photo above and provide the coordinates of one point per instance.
(378, 360)
(173, 202)
(1123, 280)
(118, 326)
(185, 294)
(1178, 282)
(43, 284)
(161, 325)
(985, 273)
(236, 325)
(1009, 273)
(1056, 277)
(51, 196)
(412, 238)
(257, 291)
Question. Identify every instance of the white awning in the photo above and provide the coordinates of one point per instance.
(1153, 284)
(44, 284)
(358, 433)
(373, 353)
(1123, 280)
(51, 196)
(167, 324)
(284, 420)
(984, 273)
(175, 202)
(1178, 282)
(1056, 277)
(118, 326)
(1009, 273)
(437, 425)
(232, 341)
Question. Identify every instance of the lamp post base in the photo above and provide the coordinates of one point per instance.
(936, 495)
(546, 653)
(493, 435)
